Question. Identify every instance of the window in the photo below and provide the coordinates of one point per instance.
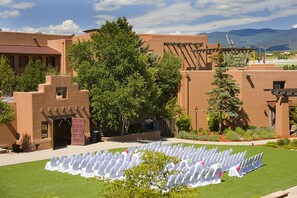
(44, 129)
(36, 58)
(61, 92)
(50, 61)
(11, 61)
(23, 61)
(279, 84)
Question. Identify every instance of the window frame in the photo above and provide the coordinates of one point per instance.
(280, 84)
(44, 129)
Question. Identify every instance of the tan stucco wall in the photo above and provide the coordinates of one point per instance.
(35, 107)
(252, 93)
(156, 46)
(26, 39)
(61, 46)
(8, 131)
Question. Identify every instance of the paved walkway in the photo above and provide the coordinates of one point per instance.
(17, 158)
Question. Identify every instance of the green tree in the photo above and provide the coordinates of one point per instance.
(33, 75)
(7, 78)
(168, 77)
(6, 113)
(114, 66)
(139, 180)
(223, 99)
(293, 115)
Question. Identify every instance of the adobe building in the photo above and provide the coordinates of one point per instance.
(48, 115)
(260, 107)
(20, 48)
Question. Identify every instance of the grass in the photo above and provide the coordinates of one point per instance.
(31, 180)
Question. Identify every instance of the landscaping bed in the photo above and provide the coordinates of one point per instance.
(153, 135)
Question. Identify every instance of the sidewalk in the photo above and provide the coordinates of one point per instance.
(17, 158)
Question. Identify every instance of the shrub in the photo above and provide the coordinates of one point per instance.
(202, 137)
(248, 135)
(214, 138)
(247, 127)
(271, 144)
(139, 180)
(239, 131)
(265, 133)
(26, 143)
(287, 141)
(294, 143)
(281, 142)
(183, 123)
(203, 131)
(193, 132)
(231, 135)
(186, 135)
(213, 122)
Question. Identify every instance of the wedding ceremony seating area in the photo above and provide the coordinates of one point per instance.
(196, 166)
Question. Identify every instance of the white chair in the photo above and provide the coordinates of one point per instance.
(178, 179)
(88, 171)
(200, 178)
(53, 164)
(113, 173)
(186, 178)
(171, 181)
(75, 169)
(65, 165)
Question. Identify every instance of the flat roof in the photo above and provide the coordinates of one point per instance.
(18, 49)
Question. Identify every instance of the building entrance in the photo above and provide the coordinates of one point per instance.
(61, 132)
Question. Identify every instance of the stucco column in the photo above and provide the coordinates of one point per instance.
(282, 117)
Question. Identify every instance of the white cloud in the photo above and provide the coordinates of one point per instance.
(109, 5)
(209, 15)
(13, 8)
(23, 5)
(66, 27)
(102, 18)
(5, 2)
(294, 26)
(9, 13)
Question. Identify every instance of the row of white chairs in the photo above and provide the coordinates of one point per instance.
(90, 165)
(246, 166)
(199, 175)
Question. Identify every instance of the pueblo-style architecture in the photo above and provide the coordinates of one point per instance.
(266, 90)
(48, 115)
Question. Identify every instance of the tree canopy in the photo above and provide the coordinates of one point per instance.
(33, 75)
(121, 76)
(7, 78)
(139, 180)
(6, 113)
(223, 101)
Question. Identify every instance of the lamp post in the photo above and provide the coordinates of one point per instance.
(196, 113)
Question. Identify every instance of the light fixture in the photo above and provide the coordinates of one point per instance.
(248, 75)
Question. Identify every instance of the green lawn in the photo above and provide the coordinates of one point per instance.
(31, 180)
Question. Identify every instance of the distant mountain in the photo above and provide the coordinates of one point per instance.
(272, 40)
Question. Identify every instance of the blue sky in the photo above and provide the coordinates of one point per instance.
(147, 16)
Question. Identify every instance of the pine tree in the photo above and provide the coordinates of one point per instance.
(223, 102)
(7, 78)
(33, 75)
